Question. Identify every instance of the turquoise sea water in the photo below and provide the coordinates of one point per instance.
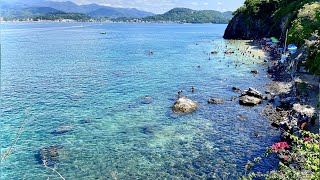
(56, 75)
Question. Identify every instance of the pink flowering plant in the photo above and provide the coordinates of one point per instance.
(281, 146)
(299, 160)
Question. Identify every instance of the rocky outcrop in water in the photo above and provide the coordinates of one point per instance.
(249, 100)
(184, 105)
(215, 101)
(252, 92)
(251, 97)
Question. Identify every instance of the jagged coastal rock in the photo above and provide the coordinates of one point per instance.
(252, 92)
(250, 97)
(184, 105)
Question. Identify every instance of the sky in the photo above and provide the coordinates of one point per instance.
(161, 6)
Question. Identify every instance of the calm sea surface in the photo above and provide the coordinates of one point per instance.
(68, 76)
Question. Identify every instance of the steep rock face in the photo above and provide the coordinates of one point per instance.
(247, 27)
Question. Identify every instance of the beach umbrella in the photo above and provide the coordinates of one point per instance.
(292, 48)
(274, 40)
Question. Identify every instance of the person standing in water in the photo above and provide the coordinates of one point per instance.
(192, 89)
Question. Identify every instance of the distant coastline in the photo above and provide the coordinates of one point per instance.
(100, 21)
(175, 15)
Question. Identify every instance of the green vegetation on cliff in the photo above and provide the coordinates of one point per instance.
(306, 24)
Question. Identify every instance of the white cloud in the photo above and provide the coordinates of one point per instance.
(195, 3)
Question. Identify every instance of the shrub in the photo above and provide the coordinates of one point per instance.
(300, 162)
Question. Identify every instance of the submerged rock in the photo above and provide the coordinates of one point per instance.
(242, 118)
(62, 130)
(85, 121)
(148, 129)
(215, 101)
(184, 105)
(49, 155)
(147, 100)
(256, 134)
(249, 100)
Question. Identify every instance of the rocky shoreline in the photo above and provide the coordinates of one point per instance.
(294, 95)
(288, 95)
(286, 98)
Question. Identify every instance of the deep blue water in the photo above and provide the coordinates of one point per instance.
(69, 75)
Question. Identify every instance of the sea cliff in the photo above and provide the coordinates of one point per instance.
(247, 27)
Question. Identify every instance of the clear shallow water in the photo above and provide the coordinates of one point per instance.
(68, 74)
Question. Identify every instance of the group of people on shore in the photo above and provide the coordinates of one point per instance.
(295, 120)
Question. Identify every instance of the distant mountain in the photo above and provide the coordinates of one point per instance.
(22, 12)
(12, 8)
(42, 10)
(119, 12)
(228, 14)
(185, 15)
